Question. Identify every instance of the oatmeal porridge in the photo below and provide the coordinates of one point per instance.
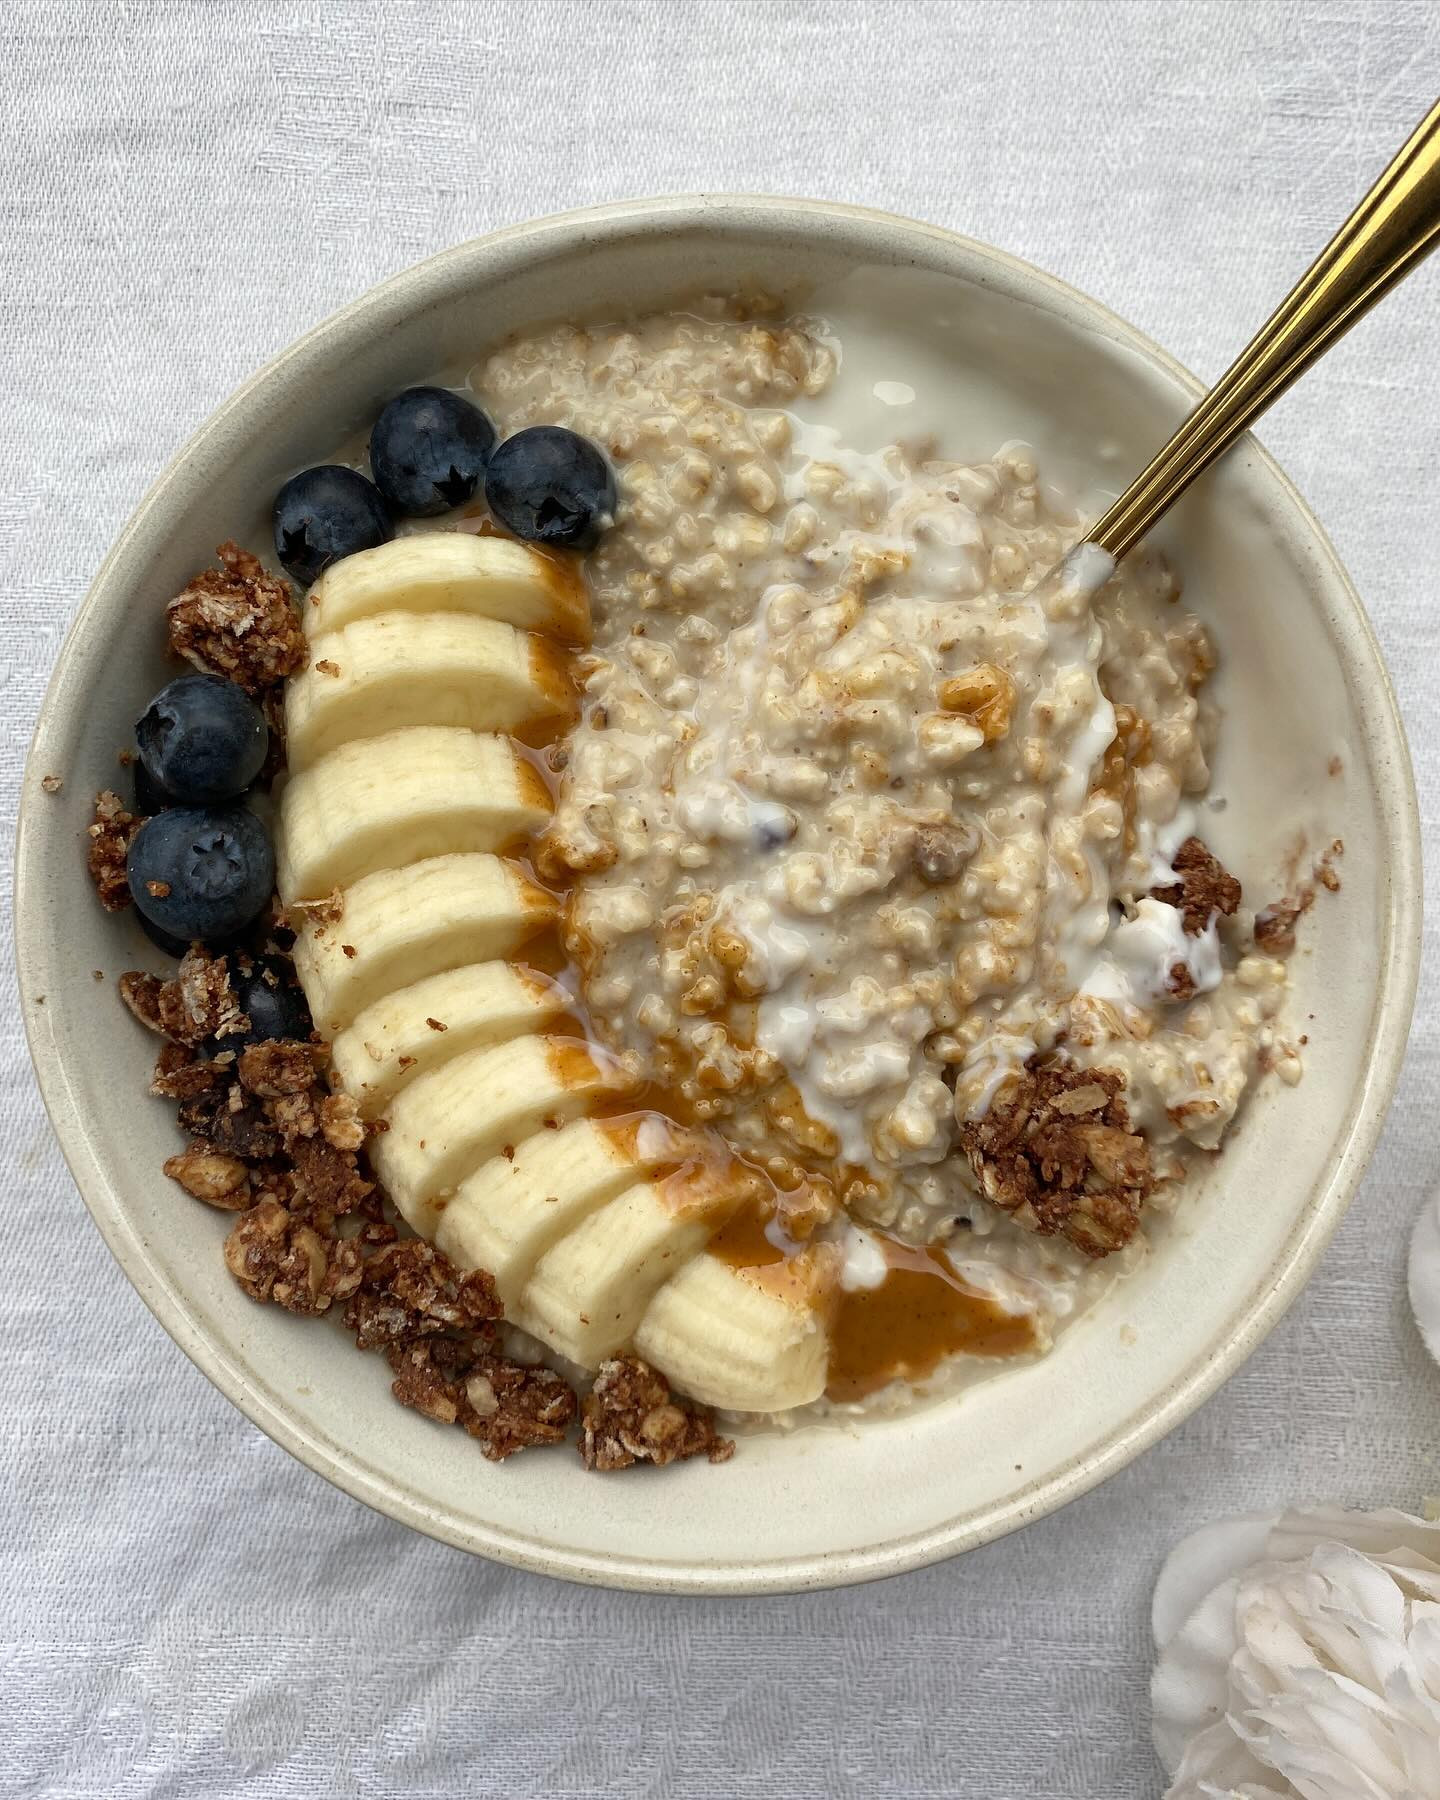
(858, 821)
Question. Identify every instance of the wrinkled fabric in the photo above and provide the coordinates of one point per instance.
(184, 187)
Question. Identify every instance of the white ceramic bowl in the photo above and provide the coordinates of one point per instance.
(1302, 681)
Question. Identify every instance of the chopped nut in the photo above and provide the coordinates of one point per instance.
(52, 784)
(631, 1416)
(110, 834)
(326, 667)
(1204, 888)
(984, 696)
(237, 622)
(210, 1175)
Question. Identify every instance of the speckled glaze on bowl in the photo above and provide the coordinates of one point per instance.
(1301, 681)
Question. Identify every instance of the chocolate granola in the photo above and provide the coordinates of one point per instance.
(630, 1416)
(1205, 886)
(110, 833)
(237, 622)
(1058, 1154)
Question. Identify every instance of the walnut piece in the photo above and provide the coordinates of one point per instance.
(1057, 1153)
(1205, 887)
(110, 833)
(238, 622)
(631, 1416)
(412, 1290)
(279, 1256)
(983, 696)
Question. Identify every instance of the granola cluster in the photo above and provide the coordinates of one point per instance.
(630, 1416)
(505, 1406)
(270, 1142)
(110, 833)
(1057, 1153)
(1205, 886)
(239, 622)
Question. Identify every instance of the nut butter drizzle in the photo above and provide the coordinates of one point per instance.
(921, 1314)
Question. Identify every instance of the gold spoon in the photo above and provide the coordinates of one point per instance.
(1392, 230)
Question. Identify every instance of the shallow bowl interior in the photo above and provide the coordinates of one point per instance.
(1311, 744)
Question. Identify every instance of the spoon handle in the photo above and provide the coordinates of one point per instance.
(1393, 228)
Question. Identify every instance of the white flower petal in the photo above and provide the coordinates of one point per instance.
(1312, 1673)
(1425, 1275)
(1190, 1688)
(1201, 1562)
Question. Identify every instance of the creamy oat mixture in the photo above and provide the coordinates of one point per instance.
(857, 820)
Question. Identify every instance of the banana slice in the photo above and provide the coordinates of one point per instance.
(507, 1214)
(427, 791)
(379, 674)
(748, 1340)
(453, 571)
(442, 1125)
(399, 1038)
(591, 1290)
(401, 925)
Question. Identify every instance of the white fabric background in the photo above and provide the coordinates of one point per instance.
(185, 187)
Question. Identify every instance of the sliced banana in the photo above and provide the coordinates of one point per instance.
(380, 674)
(453, 571)
(400, 1037)
(401, 925)
(387, 801)
(507, 1214)
(748, 1340)
(443, 1125)
(591, 1290)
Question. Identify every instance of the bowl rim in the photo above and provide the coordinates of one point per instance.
(347, 1468)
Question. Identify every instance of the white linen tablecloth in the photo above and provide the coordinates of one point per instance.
(184, 188)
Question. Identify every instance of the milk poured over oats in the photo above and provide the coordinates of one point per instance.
(860, 817)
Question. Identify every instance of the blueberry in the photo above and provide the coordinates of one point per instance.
(201, 739)
(148, 798)
(201, 872)
(551, 487)
(273, 1002)
(429, 449)
(172, 946)
(325, 513)
(274, 1005)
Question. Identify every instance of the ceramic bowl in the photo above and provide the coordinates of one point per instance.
(1304, 693)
